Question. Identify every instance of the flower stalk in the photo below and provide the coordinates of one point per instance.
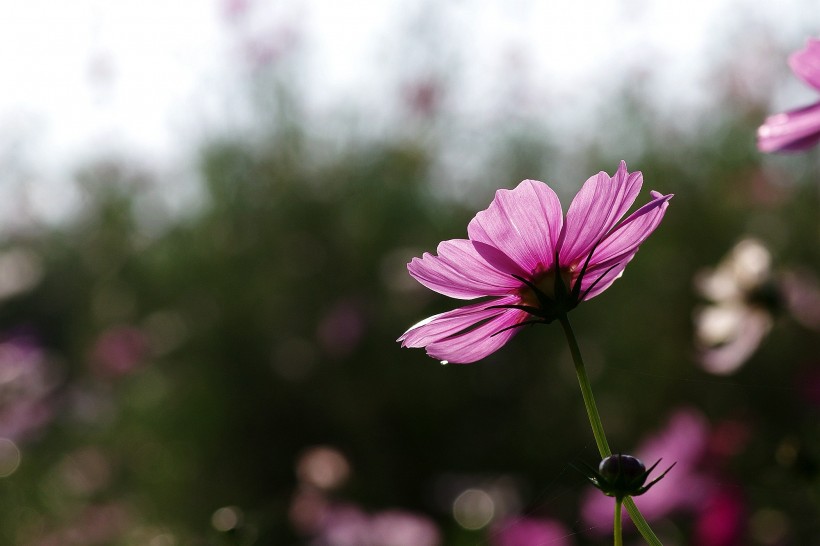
(600, 437)
(616, 525)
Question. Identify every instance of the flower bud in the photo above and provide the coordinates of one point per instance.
(623, 473)
(623, 476)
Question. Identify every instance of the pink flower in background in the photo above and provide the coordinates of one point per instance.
(799, 129)
(423, 97)
(350, 526)
(721, 519)
(27, 382)
(342, 328)
(743, 295)
(399, 528)
(532, 262)
(119, 351)
(234, 9)
(343, 525)
(807, 384)
(91, 525)
(530, 532)
(333, 523)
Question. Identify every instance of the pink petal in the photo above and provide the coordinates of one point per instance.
(499, 260)
(460, 272)
(609, 259)
(600, 277)
(602, 201)
(625, 239)
(523, 223)
(790, 131)
(465, 334)
(806, 63)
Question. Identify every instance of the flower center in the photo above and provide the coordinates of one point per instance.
(545, 282)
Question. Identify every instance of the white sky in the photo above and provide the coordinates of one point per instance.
(147, 78)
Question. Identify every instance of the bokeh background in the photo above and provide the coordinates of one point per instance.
(207, 211)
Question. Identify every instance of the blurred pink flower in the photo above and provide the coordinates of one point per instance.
(269, 47)
(683, 441)
(343, 526)
(799, 129)
(342, 327)
(26, 388)
(535, 264)
(350, 526)
(745, 294)
(742, 293)
(264, 33)
(308, 509)
(727, 439)
(322, 467)
(721, 519)
(119, 350)
(234, 9)
(801, 292)
(807, 383)
(398, 528)
(92, 526)
(529, 532)
(423, 97)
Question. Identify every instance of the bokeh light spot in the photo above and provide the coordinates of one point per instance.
(473, 509)
(164, 539)
(786, 452)
(85, 471)
(226, 518)
(769, 526)
(323, 467)
(20, 270)
(10, 457)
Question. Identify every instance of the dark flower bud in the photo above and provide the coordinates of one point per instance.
(623, 476)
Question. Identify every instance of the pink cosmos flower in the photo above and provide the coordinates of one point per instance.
(799, 129)
(534, 264)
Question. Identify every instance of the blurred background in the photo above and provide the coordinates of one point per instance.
(206, 213)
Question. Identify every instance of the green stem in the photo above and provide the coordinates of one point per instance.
(616, 526)
(598, 429)
(586, 390)
(640, 523)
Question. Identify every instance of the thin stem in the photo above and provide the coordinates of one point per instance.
(598, 428)
(616, 526)
(640, 523)
(586, 390)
